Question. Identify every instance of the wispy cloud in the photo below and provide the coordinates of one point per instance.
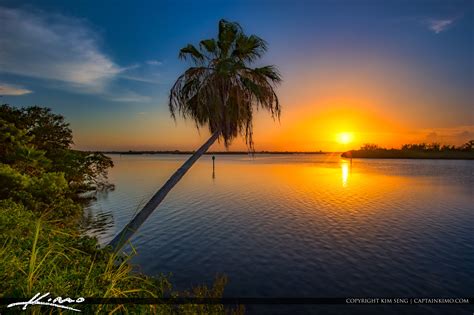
(439, 25)
(15, 90)
(138, 78)
(154, 62)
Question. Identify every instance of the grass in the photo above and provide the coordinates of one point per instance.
(37, 255)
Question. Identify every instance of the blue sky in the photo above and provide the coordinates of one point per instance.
(108, 65)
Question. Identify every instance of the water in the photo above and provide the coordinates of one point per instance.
(303, 226)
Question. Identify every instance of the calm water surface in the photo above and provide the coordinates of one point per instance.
(302, 225)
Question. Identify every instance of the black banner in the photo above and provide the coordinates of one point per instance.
(266, 301)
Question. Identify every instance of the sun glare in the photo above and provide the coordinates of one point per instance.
(344, 137)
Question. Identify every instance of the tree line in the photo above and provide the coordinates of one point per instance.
(425, 147)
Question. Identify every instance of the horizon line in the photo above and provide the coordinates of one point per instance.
(209, 152)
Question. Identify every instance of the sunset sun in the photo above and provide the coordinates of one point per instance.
(344, 137)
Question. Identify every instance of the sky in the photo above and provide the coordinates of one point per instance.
(354, 72)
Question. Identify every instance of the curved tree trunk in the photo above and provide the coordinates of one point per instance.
(141, 216)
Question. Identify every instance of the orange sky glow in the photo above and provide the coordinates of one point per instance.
(317, 106)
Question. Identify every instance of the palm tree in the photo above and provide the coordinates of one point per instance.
(220, 91)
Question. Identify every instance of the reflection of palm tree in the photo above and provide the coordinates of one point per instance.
(219, 92)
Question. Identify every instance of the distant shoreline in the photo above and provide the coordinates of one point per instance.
(400, 154)
(212, 153)
(356, 154)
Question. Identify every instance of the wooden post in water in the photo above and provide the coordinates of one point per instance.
(213, 167)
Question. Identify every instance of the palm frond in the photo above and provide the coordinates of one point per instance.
(270, 72)
(209, 45)
(228, 32)
(191, 52)
(249, 48)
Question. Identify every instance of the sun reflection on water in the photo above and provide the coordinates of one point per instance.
(345, 173)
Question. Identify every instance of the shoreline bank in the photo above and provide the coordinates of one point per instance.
(399, 154)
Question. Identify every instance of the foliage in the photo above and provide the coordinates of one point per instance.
(221, 89)
(49, 131)
(35, 140)
(370, 147)
(16, 149)
(84, 171)
(468, 146)
(45, 193)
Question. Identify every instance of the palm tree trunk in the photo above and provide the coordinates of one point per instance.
(158, 197)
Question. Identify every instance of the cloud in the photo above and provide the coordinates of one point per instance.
(9, 89)
(154, 62)
(55, 47)
(64, 53)
(439, 25)
(138, 78)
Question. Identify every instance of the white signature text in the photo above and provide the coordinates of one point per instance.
(56, 302)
